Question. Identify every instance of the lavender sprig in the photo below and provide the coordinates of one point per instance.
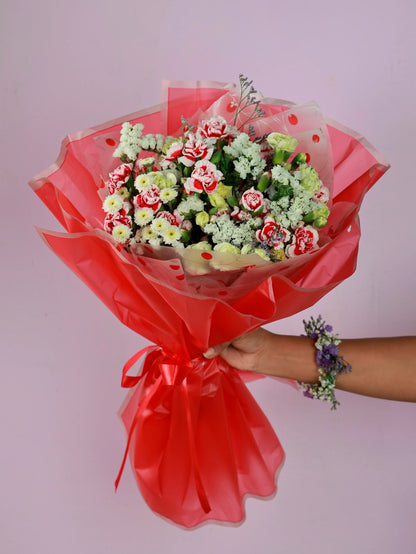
(248, 98)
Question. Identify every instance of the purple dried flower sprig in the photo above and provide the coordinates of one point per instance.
(328, 360)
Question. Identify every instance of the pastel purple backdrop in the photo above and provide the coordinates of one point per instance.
(348, 484)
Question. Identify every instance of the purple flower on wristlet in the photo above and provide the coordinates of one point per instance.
(328, 360)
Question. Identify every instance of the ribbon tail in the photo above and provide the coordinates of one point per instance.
(202, 495)
(140, 409)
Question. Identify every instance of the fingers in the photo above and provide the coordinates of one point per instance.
(215, 350)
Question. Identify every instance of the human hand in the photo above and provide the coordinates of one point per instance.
(249, 352)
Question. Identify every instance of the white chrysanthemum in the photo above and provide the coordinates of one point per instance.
(148, 234)
(143, 216)
(172, 235)
(121, 233)
(160, 225)
(142, 182)
(167, 195)
(113, 203)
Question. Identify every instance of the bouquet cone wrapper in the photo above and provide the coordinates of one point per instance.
(198, 442)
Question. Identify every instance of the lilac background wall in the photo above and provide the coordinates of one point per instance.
(348, 484)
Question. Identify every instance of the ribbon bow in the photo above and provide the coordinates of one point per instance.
(170, 370)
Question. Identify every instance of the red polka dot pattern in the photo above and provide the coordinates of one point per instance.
(293, 120)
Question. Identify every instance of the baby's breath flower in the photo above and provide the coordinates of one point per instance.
(190, 204)
(121, 233)
(113, 203)
(129, 141)
(143, 216)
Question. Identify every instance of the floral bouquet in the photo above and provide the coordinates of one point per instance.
(212, 214)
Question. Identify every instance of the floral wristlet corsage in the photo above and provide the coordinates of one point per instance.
(329, 362)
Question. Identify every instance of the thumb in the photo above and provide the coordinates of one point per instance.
(215, 350)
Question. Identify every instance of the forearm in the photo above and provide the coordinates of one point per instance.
(385, 368)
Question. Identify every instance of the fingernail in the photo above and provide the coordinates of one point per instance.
(210, 353)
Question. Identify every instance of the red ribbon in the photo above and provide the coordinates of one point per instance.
(171, 373)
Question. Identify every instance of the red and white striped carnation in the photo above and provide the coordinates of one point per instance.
(119, 177)
(252, 200)
(195, 149)
(216, 128)
(149, 198)
(305, 239)
(119, 218)
(174, 218)
(204, 177)
(273, 233)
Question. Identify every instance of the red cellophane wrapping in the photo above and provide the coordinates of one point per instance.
(197, 440)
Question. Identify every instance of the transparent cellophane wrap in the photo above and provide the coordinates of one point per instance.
(197, 440)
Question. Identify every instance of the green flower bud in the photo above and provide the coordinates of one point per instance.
(263, 182)
(299, 159)
(280, 157)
